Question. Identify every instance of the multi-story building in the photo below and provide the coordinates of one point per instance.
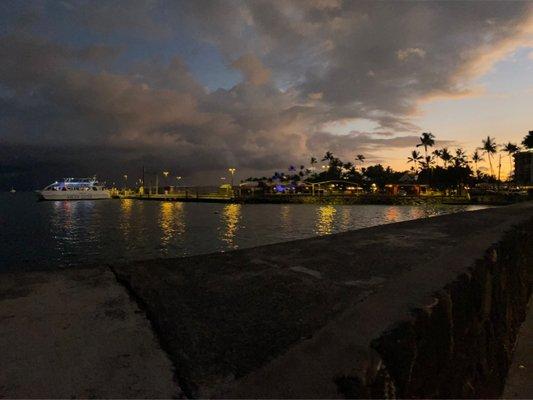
(523, 166)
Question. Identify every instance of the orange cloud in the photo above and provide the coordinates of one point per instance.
(253, 70)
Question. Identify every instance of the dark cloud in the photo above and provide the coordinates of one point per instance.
(370, 144)
(304, 65)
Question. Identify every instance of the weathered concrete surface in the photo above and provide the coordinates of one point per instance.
(519, 384)
(426, 308)
(77, 334)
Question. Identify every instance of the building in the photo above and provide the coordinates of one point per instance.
(335, 187)
(406, 189)
(523, 167)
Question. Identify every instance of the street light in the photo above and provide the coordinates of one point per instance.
(232, 172)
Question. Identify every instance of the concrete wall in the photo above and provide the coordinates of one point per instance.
(462, 345)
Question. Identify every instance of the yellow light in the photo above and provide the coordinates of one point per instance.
(171, 221)
(231, 170)
(165, 173)
(325, 219)
(230, 217)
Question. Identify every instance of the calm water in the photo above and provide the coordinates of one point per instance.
(37, 235)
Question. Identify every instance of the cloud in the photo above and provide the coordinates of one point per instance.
(253, 70)
(304, 66)
(413, 52)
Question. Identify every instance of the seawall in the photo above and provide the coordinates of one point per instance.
(424, 308)
(495, 199)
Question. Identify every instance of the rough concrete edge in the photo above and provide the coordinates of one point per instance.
(517, 374)
(185, 390)
(381, 383)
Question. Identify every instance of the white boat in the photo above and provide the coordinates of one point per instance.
(13, 190)
(75, 189)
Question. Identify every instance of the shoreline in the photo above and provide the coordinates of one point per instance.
(366, 199)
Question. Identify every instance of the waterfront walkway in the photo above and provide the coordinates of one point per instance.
(412, 309)
(71, 334)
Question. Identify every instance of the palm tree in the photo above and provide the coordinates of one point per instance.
(428, 161)
(460, 157)
(414, 158)
(438, 154)
(328, 156)
(347, 166)
(476, 157)
(489, 148)
(510, 149)
(528, 140)
(360, 158)
(426, 140)
(446, 156)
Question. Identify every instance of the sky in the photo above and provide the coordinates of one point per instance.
(196, 87)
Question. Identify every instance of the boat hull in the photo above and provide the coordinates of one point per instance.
(74, 195)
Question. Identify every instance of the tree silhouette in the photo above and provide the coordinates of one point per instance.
(460, 159)
(414, 158)
(438, 154)
(446, 156)
(510, 149)
(528, 140)
(476, 157)
(328, 156)
(489, 148)
(426, 140)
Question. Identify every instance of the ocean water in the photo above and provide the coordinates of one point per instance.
(45, 235)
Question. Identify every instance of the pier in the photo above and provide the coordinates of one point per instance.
(426, 308)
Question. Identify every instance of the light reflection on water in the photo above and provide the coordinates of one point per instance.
(325, 220)
(230, 223)
(125, 217)
(38, 235)
(392, 214)
(171, 222)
